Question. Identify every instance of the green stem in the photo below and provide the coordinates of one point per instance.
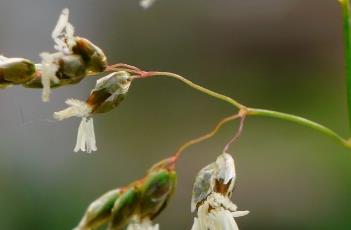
(259, 112)
(299, 120)
(345, 5)
(199, 88)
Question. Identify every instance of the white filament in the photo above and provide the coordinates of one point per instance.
(63, 34)
(86, 136)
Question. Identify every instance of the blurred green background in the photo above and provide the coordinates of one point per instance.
(284, 55)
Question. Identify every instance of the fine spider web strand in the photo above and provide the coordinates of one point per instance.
(237, 134)
(206, 136)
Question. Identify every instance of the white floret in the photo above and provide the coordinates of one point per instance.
(63, 34)
(145, 224)
(147, 3)
(217, 213)
(3, 59)
(86, 135)
(222, 219)
(216, 200)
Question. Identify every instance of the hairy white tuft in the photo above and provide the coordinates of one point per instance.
(61, 23)
(222, 219)
(76, 108)
(49, 67)
(217, 213)
(63, 34)
(217, 200)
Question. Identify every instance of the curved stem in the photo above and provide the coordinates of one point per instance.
(237, 134)
(197, 87)
(299, 120)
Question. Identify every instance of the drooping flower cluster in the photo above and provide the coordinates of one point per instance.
(108, 93)
(76, 58)
(134, 206)
(211, 196)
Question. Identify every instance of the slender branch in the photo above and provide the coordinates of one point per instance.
(301, 121)
(122, 65)
(208, 135)
(198, 87)
(345, 6)
(237, 134)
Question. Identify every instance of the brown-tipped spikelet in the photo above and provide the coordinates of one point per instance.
(108, 93)
(76, 57)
